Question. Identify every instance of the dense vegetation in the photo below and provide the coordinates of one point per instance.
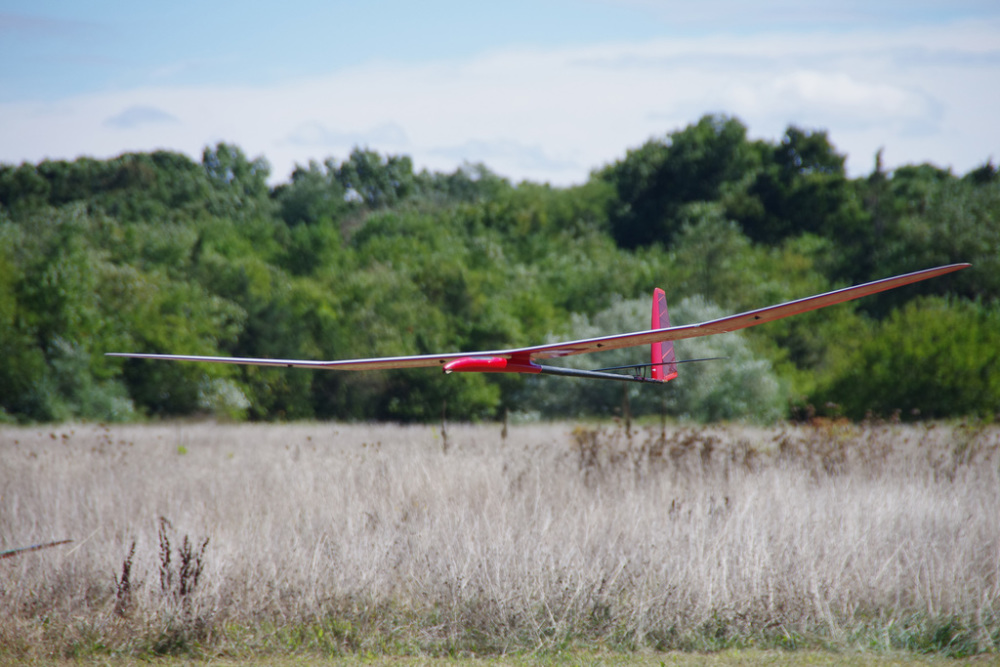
(361, 257)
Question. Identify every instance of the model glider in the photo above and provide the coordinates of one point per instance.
(660, 337)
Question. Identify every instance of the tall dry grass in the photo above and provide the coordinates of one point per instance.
(367, 537)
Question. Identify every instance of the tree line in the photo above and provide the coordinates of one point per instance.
(364, 256)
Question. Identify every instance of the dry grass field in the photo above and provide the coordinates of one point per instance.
(323, 540)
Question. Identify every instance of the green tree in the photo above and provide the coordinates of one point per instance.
(939, 219)
(239, 184)
(803, 190)
(742, 386)
(376, 182)
(984, 175)
(933, 358)
(314, 195)
(55, 321)
(23, 360)
(470, 183)
(177, 318)
(23, 189)
(698, 163)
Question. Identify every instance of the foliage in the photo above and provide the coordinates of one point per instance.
(933, 358)
(364, 256)
(735, 384)
(693, 165)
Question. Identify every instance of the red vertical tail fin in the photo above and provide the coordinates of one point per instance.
(664, 361)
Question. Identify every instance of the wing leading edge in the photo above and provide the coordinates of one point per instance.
(521, 359)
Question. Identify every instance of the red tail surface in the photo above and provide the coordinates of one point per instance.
(664, 360)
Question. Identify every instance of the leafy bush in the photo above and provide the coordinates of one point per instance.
(741, 386)
(933, 358)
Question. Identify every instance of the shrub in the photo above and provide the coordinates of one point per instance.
(933, 358)
(740, 386)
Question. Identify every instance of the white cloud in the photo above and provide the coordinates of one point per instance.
(314, 134)
(135, 116)
(529, 157)
(836, 99)
(923, 94)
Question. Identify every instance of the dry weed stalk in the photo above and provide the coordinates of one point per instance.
(179, 583)
(123, 585)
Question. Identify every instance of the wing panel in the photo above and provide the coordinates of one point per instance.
(554, 350)
(740, 321)
(416, 361)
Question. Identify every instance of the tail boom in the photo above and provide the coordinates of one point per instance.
(515, 365)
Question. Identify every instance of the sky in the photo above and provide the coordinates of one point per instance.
(541, 90)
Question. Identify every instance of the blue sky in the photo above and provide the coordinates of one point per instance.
(545, 90)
